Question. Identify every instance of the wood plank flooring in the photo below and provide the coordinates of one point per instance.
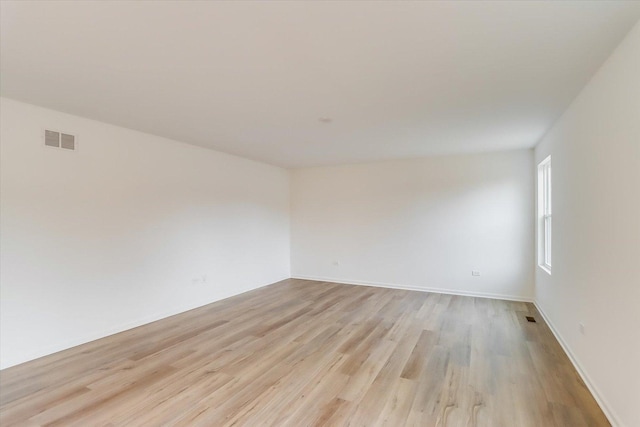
(303, 353)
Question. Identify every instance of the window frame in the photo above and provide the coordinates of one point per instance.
(545, 215)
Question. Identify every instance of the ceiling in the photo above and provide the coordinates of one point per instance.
(298, 84)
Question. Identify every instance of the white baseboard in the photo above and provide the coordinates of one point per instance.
(606, 408)
(95, 335)
(415, 288)
(125, 326)
(604, 405)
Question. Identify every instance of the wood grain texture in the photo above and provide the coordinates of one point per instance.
(304, 353)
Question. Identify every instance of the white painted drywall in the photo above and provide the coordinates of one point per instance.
(112, 236)
(423, 224)
(595, 155)
(400, 79)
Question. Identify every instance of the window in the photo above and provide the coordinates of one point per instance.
(544, 214)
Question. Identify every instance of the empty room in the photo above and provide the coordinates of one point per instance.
(320, 213)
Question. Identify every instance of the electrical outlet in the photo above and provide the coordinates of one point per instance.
(581, 328)
(475, 272)
(199, 280)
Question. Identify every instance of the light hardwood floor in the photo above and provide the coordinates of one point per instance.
(302, 353)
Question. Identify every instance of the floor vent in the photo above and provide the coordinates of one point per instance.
(531, 319)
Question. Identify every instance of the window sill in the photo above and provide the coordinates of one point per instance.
(545, 268)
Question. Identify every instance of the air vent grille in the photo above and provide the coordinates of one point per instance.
(67, 141)
(51, 138)
(59, 140)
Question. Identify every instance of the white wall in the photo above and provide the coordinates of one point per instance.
(423, 224)
(112, 236)
(595, 155)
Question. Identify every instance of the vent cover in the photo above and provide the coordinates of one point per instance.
(59, 140)
(67, 141)
(51, 138)
(531, 319)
